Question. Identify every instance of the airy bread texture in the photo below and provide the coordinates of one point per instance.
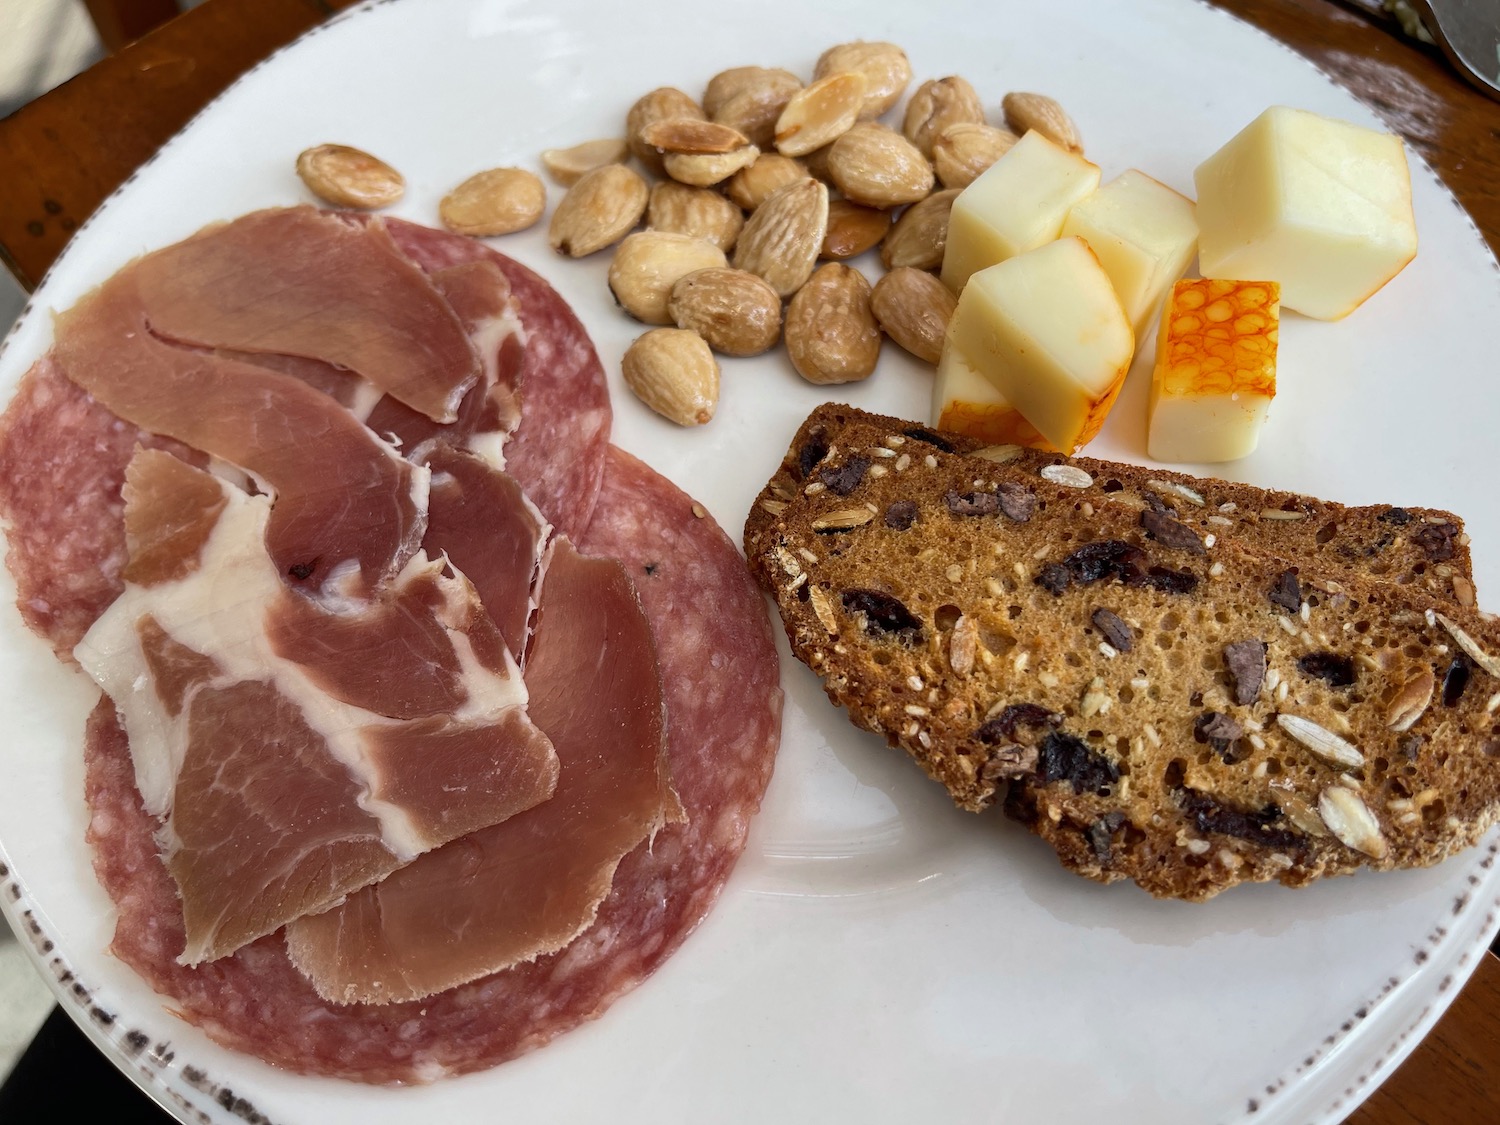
(1159, 679)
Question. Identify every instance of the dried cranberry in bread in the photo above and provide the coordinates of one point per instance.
(1179, 711)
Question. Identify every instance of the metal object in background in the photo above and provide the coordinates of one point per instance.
(1468, 31)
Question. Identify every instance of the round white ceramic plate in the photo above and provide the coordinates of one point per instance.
(877, 954)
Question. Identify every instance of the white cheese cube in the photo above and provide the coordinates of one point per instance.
(1018, 204)
(1320, 206)
(1047, 329)
(1215, 373)
(1144, 234)
(965, 402)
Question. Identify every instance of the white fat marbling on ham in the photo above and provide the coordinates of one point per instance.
(211, 628)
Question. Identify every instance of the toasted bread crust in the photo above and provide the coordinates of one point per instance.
(1060, 642)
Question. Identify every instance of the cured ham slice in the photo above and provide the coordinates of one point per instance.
(557, 453)
(277, 792)
(302, 282)
(719, 672)
(526, 887)
(483, 522)
(480, 294)
(342, 496)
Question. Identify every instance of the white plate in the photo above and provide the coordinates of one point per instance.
(877, 954)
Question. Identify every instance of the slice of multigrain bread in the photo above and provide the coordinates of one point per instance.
(1159, 698)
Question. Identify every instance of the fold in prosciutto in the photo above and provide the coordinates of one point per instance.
(343, 497)
(301, 282)
(287, 773)
(511, 893)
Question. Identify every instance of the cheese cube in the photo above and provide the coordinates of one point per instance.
(1320, 206)
(1018, 204)
(965, 402)
(1048, 331)
(1215, 370)
(1144, 234)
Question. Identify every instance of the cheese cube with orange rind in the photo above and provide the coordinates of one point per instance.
(965, 402)
(1047, 329)
(1215, 373)
(1321, 206)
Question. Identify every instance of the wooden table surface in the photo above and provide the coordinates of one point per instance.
(65, 152)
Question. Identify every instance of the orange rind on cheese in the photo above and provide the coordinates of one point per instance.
(1215, 373)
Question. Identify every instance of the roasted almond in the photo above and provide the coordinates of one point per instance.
(349, 177)
(831, 334)
(819, 114)
(750, 186)
(1024, 112)
(699, 212)
(816, 163)
(735, 311)
(853, 229)
(685, 135)
(599, 210)
(885, 67)
(963, 151)
(649, 263)
(672, 371)
(707, 169)
(938, 103)
(875, 165)
(920, 234)
(782, 238)
(751, 99)
(661, 104)
(498, 201)
(914, 308)
(567, 165)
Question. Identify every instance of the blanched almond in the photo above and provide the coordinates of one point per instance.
(649, 263)
(965, 150)
(685, 135)
(853, 229)
(886, 70)
(661, 104)
(1350, 819)
(751, 99)
(736, 312)
(937, 104)
(750, 187)
(819, 114)
(672, 371)
(1411, 701)
(599, 210)
(699, 212)
(349, 177)
(831, 334)
(1024, 112)
(921, 234)
(707, 169)
(914, 308)
(875, 165)
(782, 238)
(567, 165)
(498, 201)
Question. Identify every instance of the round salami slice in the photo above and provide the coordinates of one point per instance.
(557, 454)
(719, 670)
(62, 464)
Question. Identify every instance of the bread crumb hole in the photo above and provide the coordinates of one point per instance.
(946, 616)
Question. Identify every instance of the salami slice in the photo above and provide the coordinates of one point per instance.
(719, 670)
(558, 452)
(62, 464)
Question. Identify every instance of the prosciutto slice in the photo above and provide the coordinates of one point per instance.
(284, 777)
(489, 530)
(526, 887)
(342, 495)
(302, 282)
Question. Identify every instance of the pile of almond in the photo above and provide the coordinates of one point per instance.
(743, 195)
